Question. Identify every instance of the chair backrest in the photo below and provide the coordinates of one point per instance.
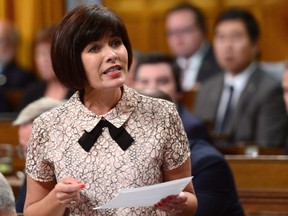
(188, 99)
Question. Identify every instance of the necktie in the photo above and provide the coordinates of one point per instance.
(227, 112)
(119, 135)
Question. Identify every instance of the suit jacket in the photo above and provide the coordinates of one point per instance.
(193, 126)
(209, 66)
(260, 114)
(16, 77)
(20, 201)
(213, 182)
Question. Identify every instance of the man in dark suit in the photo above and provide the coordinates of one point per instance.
(213, 182)
(11, 75)
(159, 71)
(245, 102)
(186, 37)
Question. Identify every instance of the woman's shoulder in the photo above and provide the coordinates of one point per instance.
(146, 103)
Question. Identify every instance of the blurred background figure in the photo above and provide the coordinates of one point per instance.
(285, 85)
(213, 179)
(285, 89)
(49, 85)
(7, 200)
(213, 182)
(12, 76)
(160, 71)
(245, 103)
(25, 120)
(187, 39)
(130, 78)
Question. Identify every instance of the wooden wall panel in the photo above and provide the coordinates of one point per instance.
(146, 24)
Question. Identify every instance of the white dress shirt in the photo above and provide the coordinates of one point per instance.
(238, 82)
(190, 67)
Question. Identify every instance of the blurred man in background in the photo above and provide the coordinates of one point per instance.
(159, 71)
(244, 102)
(12, 76)
(186, 36)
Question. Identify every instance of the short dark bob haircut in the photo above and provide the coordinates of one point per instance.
(79, 27)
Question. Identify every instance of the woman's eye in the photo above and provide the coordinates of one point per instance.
(93, 48)
(116, 43)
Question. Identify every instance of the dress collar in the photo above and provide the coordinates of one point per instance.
(117, 115)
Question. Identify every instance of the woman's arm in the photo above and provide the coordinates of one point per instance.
(49, 198)
(185, 203)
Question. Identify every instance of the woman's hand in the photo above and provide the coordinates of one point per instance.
(173, 204)
(68, 191)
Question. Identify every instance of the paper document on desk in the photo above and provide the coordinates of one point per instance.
(147, 195)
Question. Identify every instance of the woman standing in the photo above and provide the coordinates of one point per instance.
(106, 137)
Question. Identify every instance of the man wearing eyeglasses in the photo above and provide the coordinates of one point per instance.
(12, 76)
(186, 37)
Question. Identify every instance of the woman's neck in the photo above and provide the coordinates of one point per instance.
(101, 102)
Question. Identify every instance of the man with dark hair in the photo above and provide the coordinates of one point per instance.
(213, 179)
(245, 102)
(159, 71)
(186, 36)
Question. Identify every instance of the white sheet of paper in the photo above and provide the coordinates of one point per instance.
(147, 195)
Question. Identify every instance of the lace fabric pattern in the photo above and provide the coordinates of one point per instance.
(160, 143)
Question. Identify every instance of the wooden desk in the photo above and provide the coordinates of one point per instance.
(243, 149)
(262, 182)
(9, 133)
(188, 99)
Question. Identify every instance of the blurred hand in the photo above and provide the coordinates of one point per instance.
(68, 191)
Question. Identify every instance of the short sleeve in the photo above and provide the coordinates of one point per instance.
(176, 150)
(37, 166)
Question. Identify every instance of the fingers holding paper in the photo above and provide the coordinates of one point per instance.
(68, 191)
(173, 204)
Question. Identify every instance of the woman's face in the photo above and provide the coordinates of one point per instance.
(105, 62)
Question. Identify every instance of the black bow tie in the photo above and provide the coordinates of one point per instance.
(120, 135)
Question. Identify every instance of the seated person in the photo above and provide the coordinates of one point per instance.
(285, 89)
(12, 76)
(188, 41)
(213, 182)
(48, 85)
(7, 200)
(25, 120)
(285, 86)
(213, 179)
(159, 71)
(244, 102)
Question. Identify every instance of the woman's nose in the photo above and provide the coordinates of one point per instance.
(111, 55)
(152, 85)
